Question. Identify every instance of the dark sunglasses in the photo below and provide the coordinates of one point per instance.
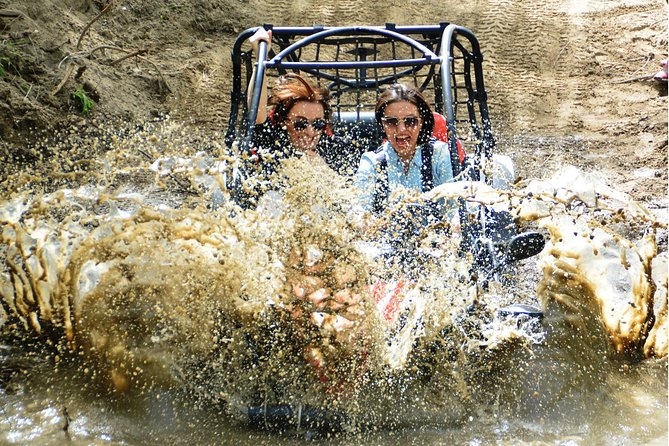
(409, 121)
(301, 124)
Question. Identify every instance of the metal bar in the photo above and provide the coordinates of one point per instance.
(449, 40)
(394, 52)
(427, 53)
(428, 30)
(470, 229)
(353, 64)
(257, 91)
(376, 69)
(236, 56)
(367, 85)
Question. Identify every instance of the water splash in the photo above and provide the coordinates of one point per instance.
(157, 280)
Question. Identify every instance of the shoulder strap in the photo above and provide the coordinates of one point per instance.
(381, 189)
(426, 169)
(427, 175)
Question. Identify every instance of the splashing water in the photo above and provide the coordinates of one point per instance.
(147, 280)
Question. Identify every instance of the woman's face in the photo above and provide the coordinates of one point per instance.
(305, 124)
(401, 122)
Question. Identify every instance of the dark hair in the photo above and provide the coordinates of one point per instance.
(292, 88)
(401, 92)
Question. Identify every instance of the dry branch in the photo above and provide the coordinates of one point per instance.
(68, 73)
(128, 56)
(95, 19)
(70, 68)
(635, 79)
(86, 54)
(162, 78)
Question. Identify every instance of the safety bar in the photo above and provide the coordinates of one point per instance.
(428, 55)
(477, 94)
(284, 34)
(471, 230)
(257, 90)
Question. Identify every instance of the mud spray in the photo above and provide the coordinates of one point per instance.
(141, 305)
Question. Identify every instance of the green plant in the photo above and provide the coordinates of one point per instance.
(85, 101)
(8, 58)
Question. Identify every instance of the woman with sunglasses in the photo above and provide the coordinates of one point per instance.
(410, 157)
(298, 123)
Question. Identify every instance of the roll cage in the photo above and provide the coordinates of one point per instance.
(444, 61)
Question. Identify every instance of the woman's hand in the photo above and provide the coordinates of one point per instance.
(262, 35)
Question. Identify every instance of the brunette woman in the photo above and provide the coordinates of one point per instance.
(410, 158)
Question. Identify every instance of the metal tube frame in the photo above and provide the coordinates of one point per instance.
(450, 34)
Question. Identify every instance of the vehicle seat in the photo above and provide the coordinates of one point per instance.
(359, 133)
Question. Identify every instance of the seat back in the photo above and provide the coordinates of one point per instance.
(359, 133)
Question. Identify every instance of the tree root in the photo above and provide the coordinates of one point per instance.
(86, 54)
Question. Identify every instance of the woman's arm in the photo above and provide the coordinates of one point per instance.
(266, 36)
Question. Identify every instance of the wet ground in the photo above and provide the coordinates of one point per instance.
(51, 408)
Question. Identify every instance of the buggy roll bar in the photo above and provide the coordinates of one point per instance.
(477, 94)
(283, 34)
(278, 61)
(455, 50)
(257, 91)
(428, 55)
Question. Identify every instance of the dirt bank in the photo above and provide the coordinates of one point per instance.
(566, 79)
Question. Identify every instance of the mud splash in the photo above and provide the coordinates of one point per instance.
(147, 278)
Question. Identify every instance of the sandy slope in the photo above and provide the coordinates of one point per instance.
(556, 70)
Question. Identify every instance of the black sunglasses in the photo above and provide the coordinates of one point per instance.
(301, 124)
(409, 121)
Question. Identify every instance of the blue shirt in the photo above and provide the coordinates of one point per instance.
(365, 177)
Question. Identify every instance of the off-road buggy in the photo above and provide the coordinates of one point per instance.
(355, 63)
(445, 62)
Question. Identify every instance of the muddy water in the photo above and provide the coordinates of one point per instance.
(627, 405)
(164, 313)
